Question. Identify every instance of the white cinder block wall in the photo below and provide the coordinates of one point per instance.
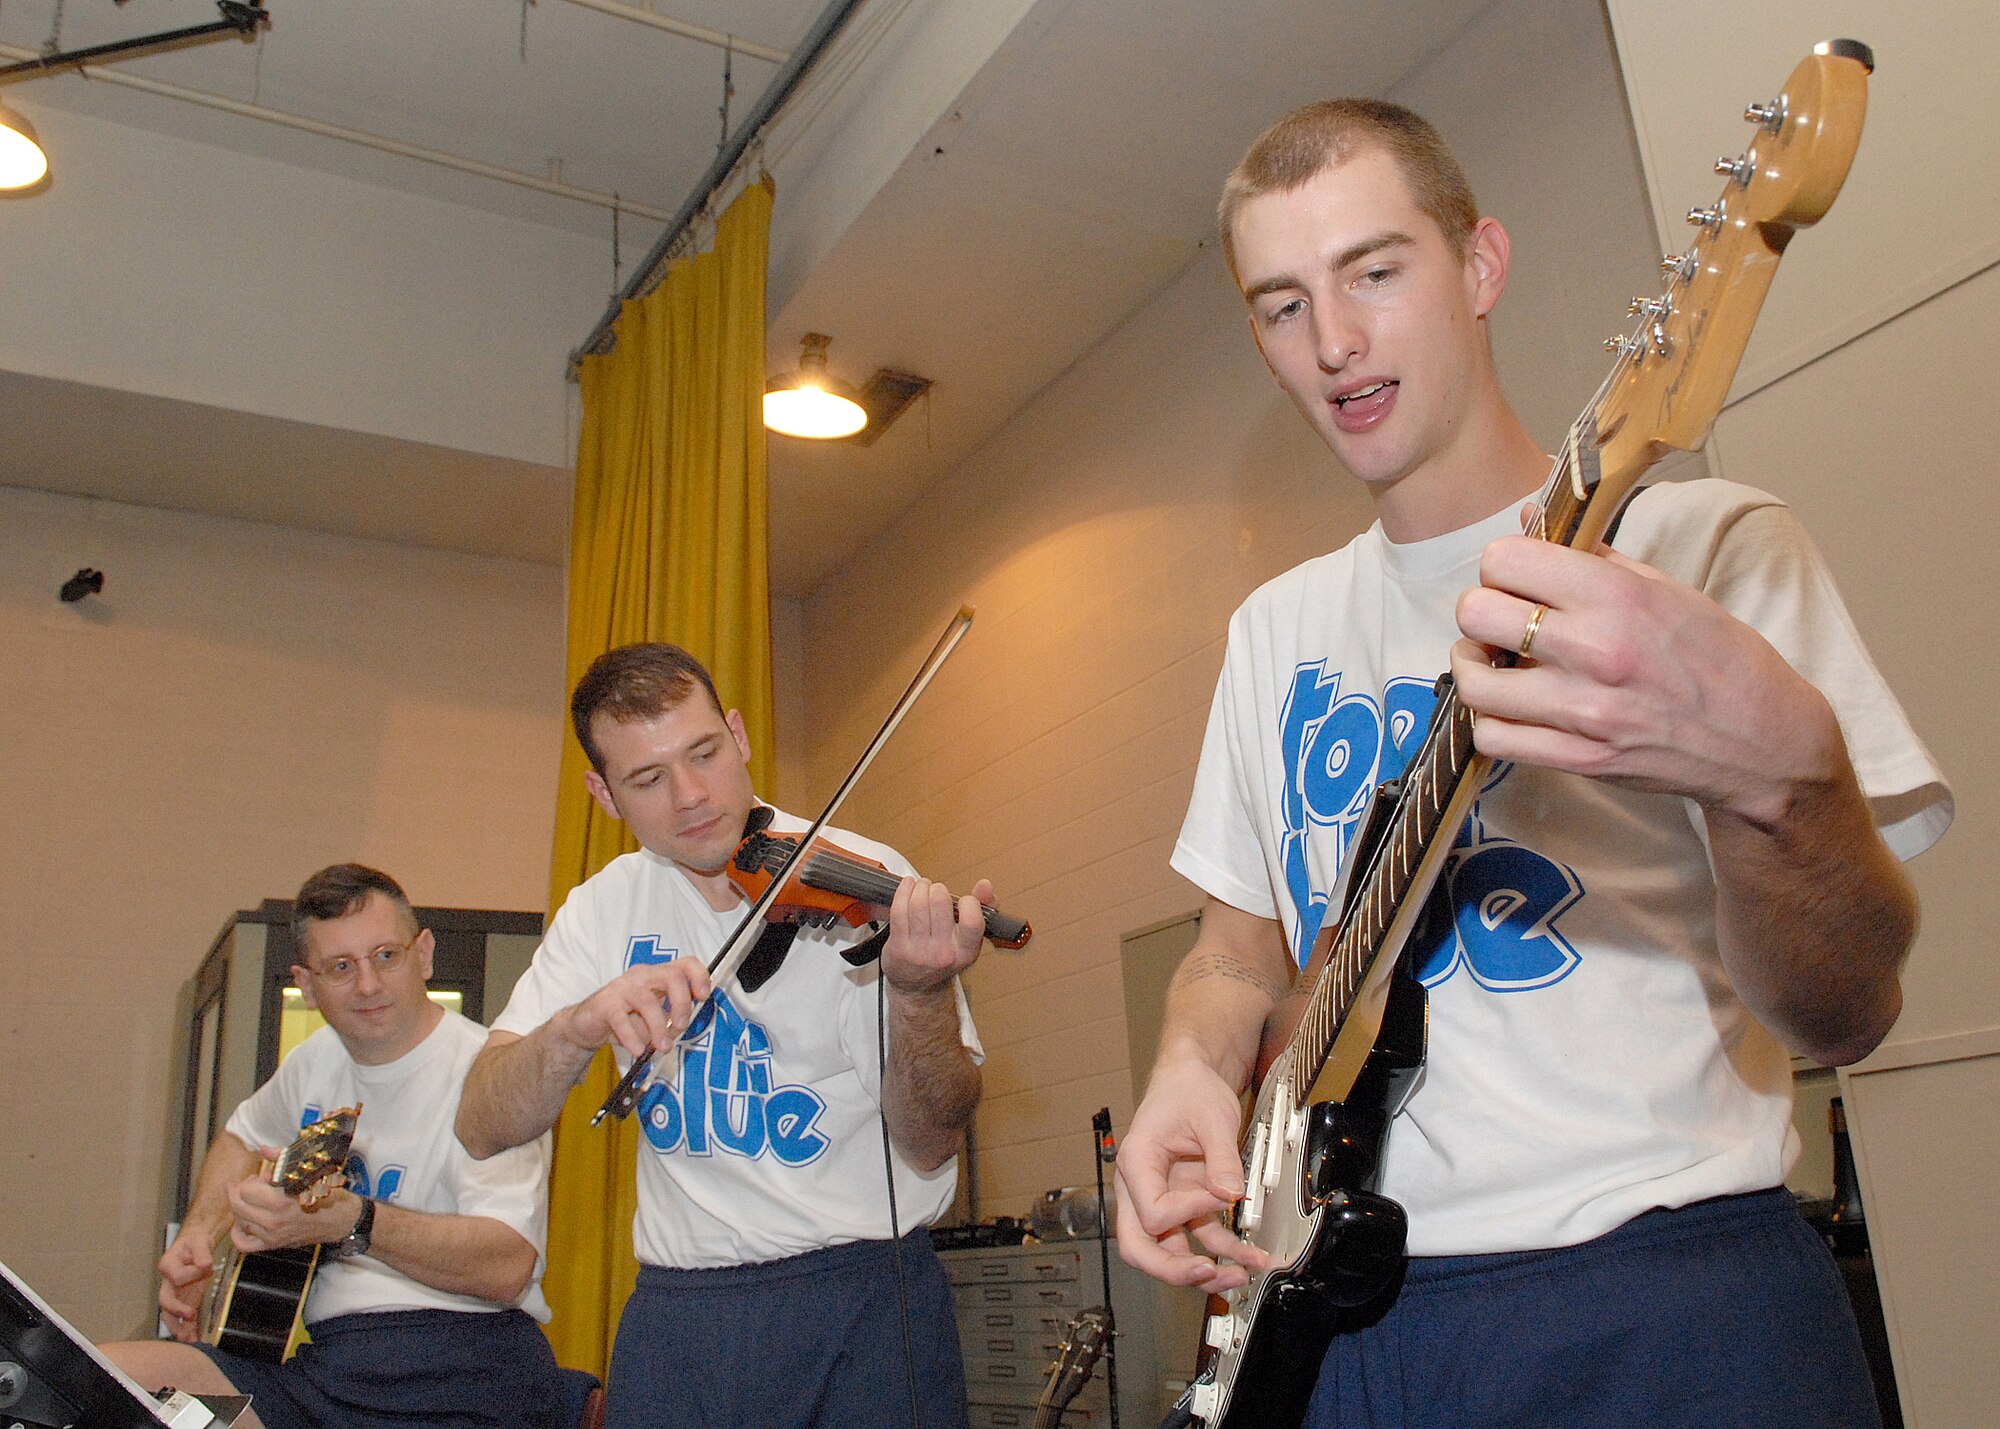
(243, 704)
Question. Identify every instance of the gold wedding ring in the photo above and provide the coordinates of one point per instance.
(1528, 635)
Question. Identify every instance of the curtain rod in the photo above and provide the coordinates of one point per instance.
(768, 104)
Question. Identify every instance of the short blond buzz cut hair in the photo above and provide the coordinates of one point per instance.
(1307, 141)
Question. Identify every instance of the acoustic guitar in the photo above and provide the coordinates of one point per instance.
(1339, 1074)
(255, 1301)
(1083, 1342)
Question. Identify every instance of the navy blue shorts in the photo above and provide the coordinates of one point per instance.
(1727, 1314)
(452, 1369)
(813, 1342)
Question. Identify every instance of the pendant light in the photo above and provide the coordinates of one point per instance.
(809, 403)
(23, 165)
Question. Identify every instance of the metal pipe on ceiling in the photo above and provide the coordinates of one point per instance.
(686, 29)
(238, 18)
(386, 145)
(815, 43)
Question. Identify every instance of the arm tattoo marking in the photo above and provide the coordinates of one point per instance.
(1202, 966)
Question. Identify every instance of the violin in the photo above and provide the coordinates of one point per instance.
(830, 885)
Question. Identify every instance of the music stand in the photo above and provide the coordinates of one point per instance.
(53, 1378)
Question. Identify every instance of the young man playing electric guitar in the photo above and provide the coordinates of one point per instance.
(424, 1304)
(1682, 863)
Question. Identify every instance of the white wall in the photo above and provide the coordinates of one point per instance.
(1864, 402)
(243, 704)
(1106, 534)
(176, 269)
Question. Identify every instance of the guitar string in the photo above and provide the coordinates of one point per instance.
(1358, 940)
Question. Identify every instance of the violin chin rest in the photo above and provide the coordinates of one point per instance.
(866, 952)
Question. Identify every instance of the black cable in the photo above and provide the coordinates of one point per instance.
(889, 1167)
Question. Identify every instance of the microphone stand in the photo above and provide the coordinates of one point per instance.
(1107, 1150)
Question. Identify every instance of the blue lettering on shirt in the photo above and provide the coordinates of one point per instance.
(1505, 898)
(726, 1095)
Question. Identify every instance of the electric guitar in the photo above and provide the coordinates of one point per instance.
(1084, 1339)
(255, 1300)
(1338, 1076)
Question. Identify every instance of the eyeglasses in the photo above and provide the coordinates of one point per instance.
(338, 972)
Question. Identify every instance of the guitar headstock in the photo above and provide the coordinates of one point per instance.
(310, 1168)
(1676, 364)
(1084, 1339)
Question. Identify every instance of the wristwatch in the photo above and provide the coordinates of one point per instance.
(356, 1241)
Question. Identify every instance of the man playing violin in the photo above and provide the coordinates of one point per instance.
(1684, 862)
(771, 1292)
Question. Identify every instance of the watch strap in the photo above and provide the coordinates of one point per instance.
(356, 1241)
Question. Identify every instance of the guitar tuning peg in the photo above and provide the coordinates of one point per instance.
(1680, 266)
(1708, 219)
(1737, 169)
(1771, 117)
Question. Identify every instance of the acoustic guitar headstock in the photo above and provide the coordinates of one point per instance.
(309, 1170)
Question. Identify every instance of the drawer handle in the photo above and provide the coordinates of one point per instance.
(993, 1270)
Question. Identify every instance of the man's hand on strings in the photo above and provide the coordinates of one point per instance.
(1636, 678)
(1178, 1173)
(932, 937)
(184, 1273)
(268, 1219)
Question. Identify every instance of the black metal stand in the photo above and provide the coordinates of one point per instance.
(1107, 1150)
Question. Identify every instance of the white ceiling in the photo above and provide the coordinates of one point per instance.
(1073, 178)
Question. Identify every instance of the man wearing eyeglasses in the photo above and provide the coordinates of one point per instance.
(424, 1305)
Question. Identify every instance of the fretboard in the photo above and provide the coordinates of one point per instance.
(1407, 859)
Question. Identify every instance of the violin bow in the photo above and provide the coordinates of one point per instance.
(625, 1096)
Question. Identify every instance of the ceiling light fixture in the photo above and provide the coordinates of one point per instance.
(809, 403)
(23, 164)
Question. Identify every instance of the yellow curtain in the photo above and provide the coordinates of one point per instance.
(668, 543)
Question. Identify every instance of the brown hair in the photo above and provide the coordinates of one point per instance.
(635, 682)
(1298, 147)
(340, 890)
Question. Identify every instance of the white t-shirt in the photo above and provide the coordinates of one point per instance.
(1588, 1057)
(761, 1136)
(405, 1154)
